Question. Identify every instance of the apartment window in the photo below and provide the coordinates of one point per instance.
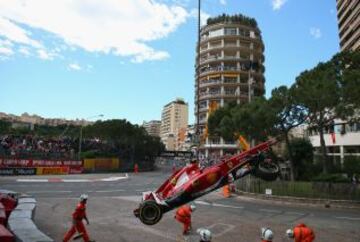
(230, 31)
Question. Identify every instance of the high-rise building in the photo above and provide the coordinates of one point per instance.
(229, 68)
(348, 13)
(152, 127)
(174, 117)
(342, 138)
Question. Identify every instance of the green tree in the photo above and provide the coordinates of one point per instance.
(329, 91)
(288, 115)
(5, 127)
(302, 152)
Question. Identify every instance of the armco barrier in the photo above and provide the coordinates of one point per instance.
(5, 235)
(22, 225)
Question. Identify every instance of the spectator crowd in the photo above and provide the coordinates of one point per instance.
(29, 146)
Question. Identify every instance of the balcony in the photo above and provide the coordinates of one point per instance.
(244, 68)
(210, 82)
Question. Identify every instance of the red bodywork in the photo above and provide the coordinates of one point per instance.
(191, 182)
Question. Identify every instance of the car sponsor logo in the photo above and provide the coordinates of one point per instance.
(212, 177)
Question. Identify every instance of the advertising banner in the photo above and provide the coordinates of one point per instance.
(52, 170)
(17, 171)
(101, 164)
(39, 163)
(76, 170)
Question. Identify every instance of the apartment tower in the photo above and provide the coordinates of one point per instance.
(348, 13)
(174, 117)
(229, 68)
(152, 127)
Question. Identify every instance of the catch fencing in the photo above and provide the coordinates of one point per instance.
(313, 190)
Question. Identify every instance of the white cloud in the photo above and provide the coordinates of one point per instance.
(203, 16)
(75, 67)
(107, 26)
(14, 33)
(24, 50)
(6, 51)
(223, 2)
(45, 55)
(277, 4)
(315, 32)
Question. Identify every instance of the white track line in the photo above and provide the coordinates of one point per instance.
(49, 192)
(226, 206)
(270, 211)
(202, 203)
(75, 180)
(349, 218)
(295, 213)
(32, 180)
(118, 190)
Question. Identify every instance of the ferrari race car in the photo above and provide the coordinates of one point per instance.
(191, 181)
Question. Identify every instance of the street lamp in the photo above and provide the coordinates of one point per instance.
(81, 132)
(197, 130)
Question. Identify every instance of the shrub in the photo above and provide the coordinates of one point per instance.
(351, 165)
(331, 178)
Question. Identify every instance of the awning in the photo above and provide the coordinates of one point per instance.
(214, 76)
(231, 75)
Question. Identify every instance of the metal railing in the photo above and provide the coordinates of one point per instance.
(315, 190)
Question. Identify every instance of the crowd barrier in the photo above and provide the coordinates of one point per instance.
(101, 164)
(21, 222)
(39, 167)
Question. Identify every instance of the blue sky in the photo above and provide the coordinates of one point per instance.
(128, 58)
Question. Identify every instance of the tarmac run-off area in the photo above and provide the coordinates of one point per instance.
(112, 198)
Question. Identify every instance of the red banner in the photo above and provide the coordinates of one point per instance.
(39, 163)
(76, 170)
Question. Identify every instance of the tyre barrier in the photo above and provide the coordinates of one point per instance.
(21, 222)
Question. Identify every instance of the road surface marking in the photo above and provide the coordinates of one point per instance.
(295, 213)
(226, 206)
(202, 203)
(118, 190)
(217, 205)
(76, 180)
(228, 228)
(115, 178)
(270, 211)
(348, 218)
(49, 191)
(32, 180)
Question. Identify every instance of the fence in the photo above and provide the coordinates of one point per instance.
(317, 190)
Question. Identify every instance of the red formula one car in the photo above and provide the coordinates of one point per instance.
(191, 182)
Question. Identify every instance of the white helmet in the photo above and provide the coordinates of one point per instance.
(83, 197)
(193, 207)
(205, 234)
(267, 234)
(290, 233)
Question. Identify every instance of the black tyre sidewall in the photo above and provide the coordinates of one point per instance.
(266, 174)
(150, 205)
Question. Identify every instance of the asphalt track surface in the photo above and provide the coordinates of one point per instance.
(111, 204)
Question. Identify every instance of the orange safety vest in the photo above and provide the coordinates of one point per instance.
(80, 211)
(302, 233)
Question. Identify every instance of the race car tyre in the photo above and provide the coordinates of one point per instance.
(267, 171)
(150, 212)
